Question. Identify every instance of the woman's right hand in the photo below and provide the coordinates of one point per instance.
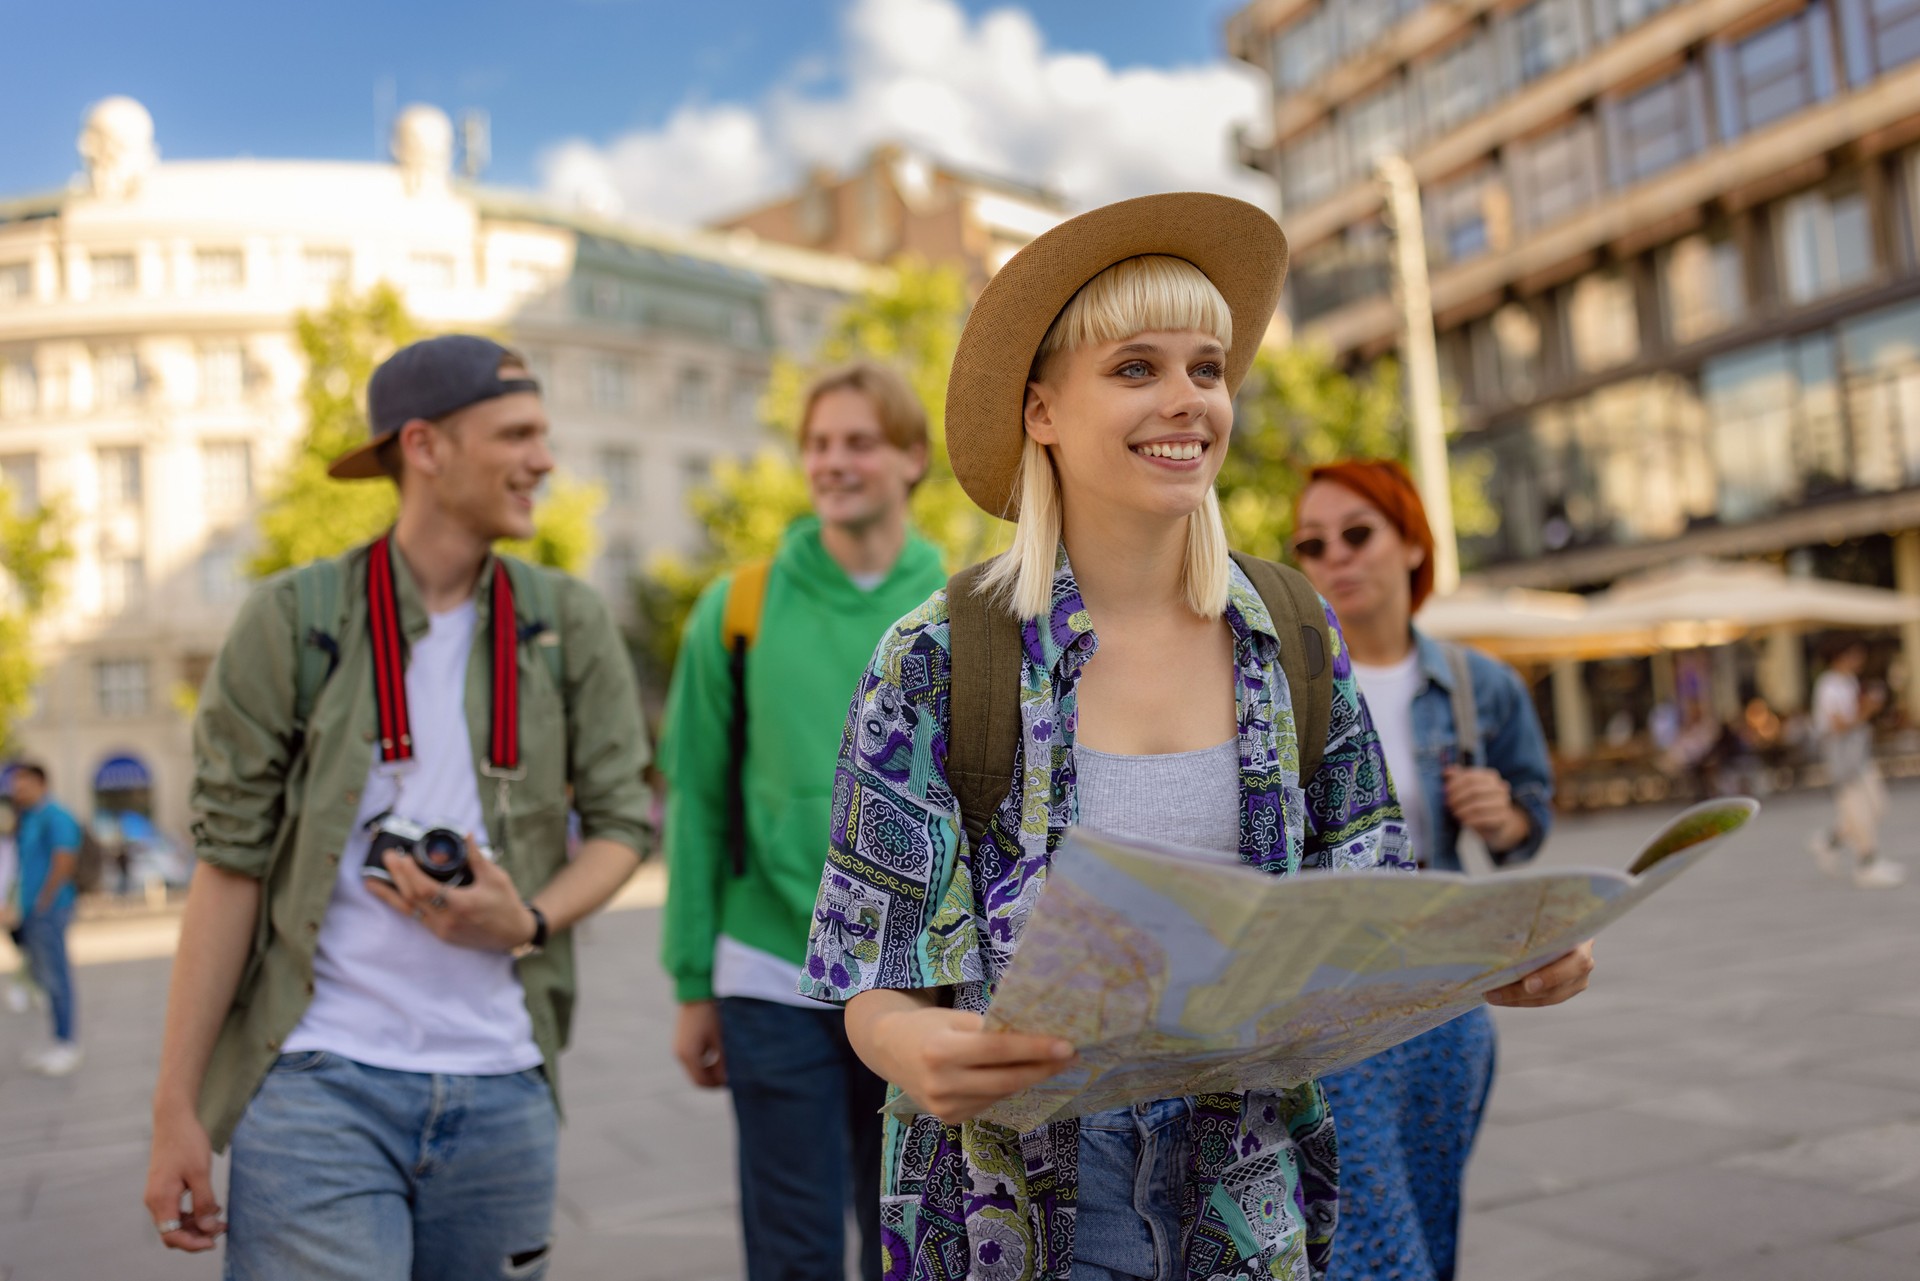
(182, 1166)
(950, 1065)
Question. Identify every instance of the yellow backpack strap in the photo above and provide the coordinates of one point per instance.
(739, 629)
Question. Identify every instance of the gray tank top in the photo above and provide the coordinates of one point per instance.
(1183, 798)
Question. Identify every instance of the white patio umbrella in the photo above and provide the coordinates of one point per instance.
(1521, 625)
(1706, 602)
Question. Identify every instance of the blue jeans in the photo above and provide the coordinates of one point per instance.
(343, 1172)
(1133, 1172)
(43, 937)
(808, 1115)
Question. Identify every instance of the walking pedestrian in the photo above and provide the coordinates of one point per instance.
(1843, 712)
(375, 975)
(1467, 754)
(753, 726)
(1117, 668)
(47, 841)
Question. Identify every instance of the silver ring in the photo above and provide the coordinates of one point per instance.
(437, 902)
(167, 1225)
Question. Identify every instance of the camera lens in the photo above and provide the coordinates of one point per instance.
(441, 854)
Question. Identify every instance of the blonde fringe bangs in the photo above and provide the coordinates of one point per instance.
(1132, 297)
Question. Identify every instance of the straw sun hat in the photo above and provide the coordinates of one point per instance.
(1236, 245)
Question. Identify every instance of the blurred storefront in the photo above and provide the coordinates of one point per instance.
(1675, 251)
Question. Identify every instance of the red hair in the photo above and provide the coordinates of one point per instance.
(1385, 484)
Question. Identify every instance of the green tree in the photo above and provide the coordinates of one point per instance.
(33, 548)
(309, 515)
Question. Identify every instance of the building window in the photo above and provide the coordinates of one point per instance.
(123, 583)
(218, 271)
(119, 477)
(695, 471)
(1880, 36)
(1655, 128)
(746, 402)
(618, 466)
(619, 566)
(1826, 242)
(1457, 85)
(1881, 352)
(1465, 217)
(610, 382)
(223, 579)
(1557, 175)
(116, 377)
(1363, 22)
(327, 269)
(1310, 168)
(1603, 323)
(120, 686)
(1304, 51)
(1774, 72)
(600, 298)
(1703, 285)
(1376, 126)
(19, 386)
(112, 274)
(693, 393)
(223, 373)
(226, 467)
(16, 281)
(1615, 17)
(431, 271)
(1548, 32)
(21, 472)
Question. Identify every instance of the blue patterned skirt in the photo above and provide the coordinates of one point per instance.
(1405, 1122)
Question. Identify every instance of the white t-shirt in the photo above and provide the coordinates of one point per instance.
(1390, 692)
(386, 992)
(1836, 698)
(743, 970)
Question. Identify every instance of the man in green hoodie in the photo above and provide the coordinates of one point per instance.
(743, 873)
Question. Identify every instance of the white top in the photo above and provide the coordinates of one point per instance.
(386, 992)
(741, 970)
(1389, 693)
(1836, 698)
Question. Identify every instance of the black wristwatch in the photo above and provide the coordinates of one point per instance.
(538, 943)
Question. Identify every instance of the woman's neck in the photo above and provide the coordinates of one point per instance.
(443, 557)
(1126, 567)
(1379, 641)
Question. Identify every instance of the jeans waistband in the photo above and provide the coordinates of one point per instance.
(1148, 1117)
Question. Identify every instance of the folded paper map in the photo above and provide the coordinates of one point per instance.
(1176, 972)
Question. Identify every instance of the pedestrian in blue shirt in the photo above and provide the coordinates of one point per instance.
(48, 838)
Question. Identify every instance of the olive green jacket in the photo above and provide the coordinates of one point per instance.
(270, 805)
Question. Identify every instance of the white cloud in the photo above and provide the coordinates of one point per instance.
(983, 93)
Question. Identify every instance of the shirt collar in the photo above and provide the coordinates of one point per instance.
(1065, 639)
(1433, 660)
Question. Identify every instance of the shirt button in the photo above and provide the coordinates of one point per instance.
(353, 798)
(333, 860)
(313, 927)
(309, 987)
(366, 736)
(274, 1045)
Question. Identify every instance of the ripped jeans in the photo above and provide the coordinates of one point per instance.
(343, 1172)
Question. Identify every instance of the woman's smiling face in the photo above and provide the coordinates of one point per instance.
(1140, 423)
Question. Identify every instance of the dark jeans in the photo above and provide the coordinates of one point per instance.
(43, 937)
(808, 1116)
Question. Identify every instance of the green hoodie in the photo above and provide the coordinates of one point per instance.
(817, 633)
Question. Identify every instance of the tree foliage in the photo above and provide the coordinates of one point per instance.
(33, 549)
(309, 515)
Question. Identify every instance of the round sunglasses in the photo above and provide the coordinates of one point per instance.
(1354, 536)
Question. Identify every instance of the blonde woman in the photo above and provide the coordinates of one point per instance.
(1091, 402)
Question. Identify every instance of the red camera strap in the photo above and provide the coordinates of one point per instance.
(390, 664)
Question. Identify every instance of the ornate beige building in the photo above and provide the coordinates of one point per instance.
(150, 377)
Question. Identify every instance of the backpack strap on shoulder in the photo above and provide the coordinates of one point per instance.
(1297, 612)
(983, 731)
(739, 630)
(319, 616)
(533, 597)
(1466, 712)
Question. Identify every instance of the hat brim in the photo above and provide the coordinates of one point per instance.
(1236, 245)
(360, 463)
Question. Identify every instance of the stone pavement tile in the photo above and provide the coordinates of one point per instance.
(1705, 1217)
(1784, 1106)
(1816, 1263)
(1881, 1160)
(691, 1248)
(1902, 1242)
(1567, 1152)
(1901, 1067)
(1535, 1093)
(1494, 1246)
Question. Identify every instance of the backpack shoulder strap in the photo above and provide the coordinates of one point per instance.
(746, 600)
(1297, 611)
(533, 597)
(320, 613)
(983, 731)
(739, 630)
(1466, 713)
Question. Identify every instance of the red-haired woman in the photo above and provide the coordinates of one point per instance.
(1466, 751)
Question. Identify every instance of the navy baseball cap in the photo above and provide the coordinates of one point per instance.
(428, 379)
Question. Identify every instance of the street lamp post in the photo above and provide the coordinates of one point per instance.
(1420, 362)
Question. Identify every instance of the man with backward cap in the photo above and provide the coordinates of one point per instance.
(372, 1028)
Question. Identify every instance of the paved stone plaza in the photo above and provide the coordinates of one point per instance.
(1737, 1100)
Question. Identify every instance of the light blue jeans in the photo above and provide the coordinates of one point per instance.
(43, 937)
(1133, 1171)
(343, 1172)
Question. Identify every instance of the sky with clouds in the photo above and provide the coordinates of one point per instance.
(668, 112)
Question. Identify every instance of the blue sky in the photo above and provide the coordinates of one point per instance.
(224, 78)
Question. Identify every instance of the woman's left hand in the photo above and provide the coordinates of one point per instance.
(1482, 800)
(1561, 981)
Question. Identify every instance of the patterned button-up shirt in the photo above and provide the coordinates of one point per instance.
(908, 902)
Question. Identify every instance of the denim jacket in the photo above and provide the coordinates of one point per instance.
(1512, 742)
